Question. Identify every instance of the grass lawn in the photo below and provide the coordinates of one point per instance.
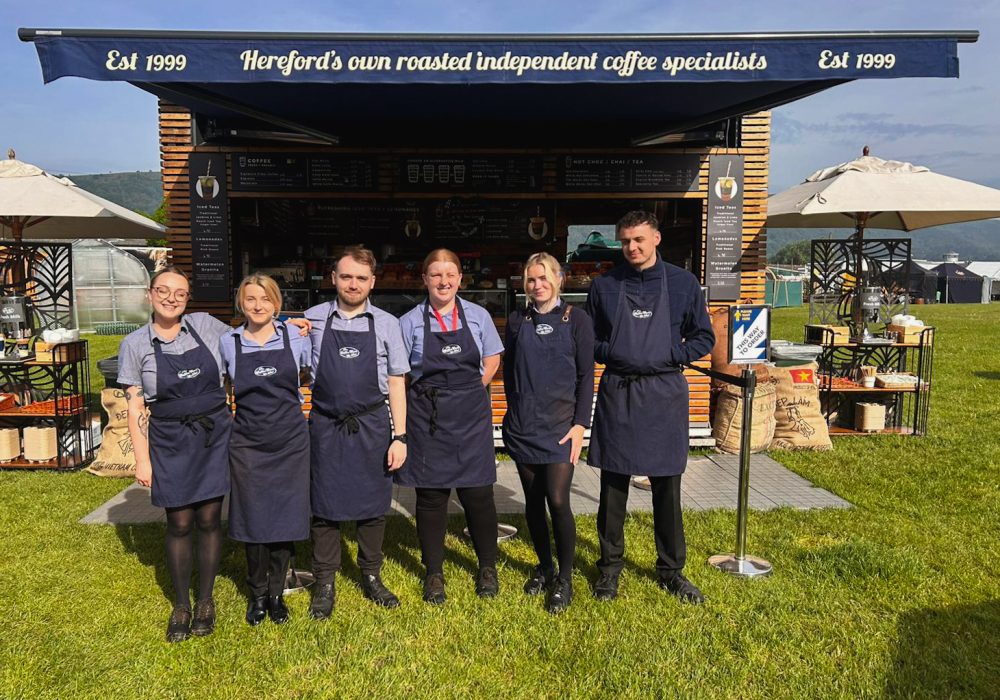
(896, 597)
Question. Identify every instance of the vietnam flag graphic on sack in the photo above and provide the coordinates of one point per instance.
(802, 376)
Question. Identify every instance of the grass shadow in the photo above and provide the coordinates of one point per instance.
(946, 652)
(985, 374)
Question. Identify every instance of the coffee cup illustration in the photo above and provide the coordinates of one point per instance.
(413, 173)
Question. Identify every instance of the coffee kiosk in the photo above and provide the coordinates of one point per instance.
(280, 149)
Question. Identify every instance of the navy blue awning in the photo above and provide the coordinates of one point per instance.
(561, 86)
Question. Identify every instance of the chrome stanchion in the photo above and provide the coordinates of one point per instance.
(739, 563)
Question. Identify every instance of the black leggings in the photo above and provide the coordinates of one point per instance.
(550, 482)
(432, 524)
(206, 516)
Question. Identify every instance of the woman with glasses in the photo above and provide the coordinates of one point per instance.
(548, 376)
(269, 449)
(454, 353)
(180, 425)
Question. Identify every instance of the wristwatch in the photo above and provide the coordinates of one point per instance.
(401, 438)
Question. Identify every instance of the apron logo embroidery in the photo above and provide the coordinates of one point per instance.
(543, 329)
(451, 349)
(349, 353)
(641, 313)
(189, 373)
(265, 371)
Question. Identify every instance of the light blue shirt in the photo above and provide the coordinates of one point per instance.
(300, 346)
(137, 360)
(484, 333)
(391, 353)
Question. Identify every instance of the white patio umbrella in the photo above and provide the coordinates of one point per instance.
(35, 204)
(887, 194)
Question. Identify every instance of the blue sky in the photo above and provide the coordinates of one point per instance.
(80, 126)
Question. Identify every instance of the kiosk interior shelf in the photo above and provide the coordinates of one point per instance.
(53, 394)
(901, 381)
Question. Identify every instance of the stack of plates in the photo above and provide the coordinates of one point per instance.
(39, 444)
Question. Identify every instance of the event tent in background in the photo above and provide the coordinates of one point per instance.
(958, 285)
(923, 285)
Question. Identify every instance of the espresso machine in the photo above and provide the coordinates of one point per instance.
(16, 328)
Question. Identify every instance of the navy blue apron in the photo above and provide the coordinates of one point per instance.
(449, 423)
(542, 403)
(189, 428)
(349, 428)
(269, 449)
(641, 418)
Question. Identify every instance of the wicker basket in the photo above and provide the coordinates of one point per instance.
(869, 417)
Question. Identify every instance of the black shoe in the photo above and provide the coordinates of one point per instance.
(257, 610)
(487, 585)
(539, 581)
(204, 618)
(686, 591)
(276, 610)
(179, 624)
(323, 599)
(606, 587)
(560, 596)
(375, 591)
(434, 589)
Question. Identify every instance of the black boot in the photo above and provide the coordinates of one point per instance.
(276, 609)
(677, 584)
(539, 581)
(560, 596)
(257, 610)
(375, 591)
(606, 587)
(323, 599)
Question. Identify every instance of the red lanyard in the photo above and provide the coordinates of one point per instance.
(454, 318)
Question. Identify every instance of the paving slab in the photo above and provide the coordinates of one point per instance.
(710, 482)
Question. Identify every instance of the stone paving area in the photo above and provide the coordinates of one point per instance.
(710, 482)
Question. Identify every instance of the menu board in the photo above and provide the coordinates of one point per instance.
(628, 173)
(724, 228)
(490, 220)
(301, 172)
(210, 276)
(470, 174)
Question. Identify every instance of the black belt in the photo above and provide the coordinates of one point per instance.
(190, 419)
(350, 421)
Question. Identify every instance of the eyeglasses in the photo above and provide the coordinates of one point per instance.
(163, 293)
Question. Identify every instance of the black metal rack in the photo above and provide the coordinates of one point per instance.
(54, 393)
(907, 407)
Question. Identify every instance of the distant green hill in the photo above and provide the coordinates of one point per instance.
(975, 240)
(138, 191)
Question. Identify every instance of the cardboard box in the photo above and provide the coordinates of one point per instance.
(816, 333)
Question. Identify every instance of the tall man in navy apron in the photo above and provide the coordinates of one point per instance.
(358, 361)
(649, 318)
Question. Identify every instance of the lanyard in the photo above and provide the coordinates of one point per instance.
(454, 318)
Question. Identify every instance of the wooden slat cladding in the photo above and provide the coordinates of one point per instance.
(176, 146)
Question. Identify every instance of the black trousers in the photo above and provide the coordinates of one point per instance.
(326, 547)
(267, 565)
(432, 524)
(668, 526)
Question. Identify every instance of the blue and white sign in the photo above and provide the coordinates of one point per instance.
(749, 333)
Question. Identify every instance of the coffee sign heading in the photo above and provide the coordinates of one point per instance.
(405, 60)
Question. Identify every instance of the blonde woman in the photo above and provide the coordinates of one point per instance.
(269, 449)
(548, 373)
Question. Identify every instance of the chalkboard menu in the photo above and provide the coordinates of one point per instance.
(628, 173)
(469, 174)
(492, 220)
(301, 172)
(210, 277)
(724, 228)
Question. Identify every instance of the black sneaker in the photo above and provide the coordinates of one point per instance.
(323, 599)
(539, 581)
(487, 584)
(375, 591)
(606, 587)
(560, 596)
(179, 624)
(678, 585)
(204, 618)
(434, 589)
